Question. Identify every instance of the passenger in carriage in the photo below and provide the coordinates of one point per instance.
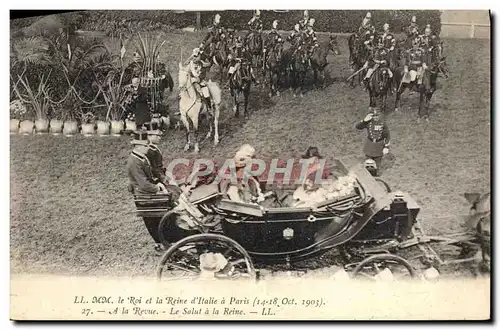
(247, 188)
(309, 193)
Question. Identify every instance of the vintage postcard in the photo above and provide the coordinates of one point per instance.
(263, 164)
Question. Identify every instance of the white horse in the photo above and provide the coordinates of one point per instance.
(191, 106)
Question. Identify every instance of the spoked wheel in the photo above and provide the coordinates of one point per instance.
(386, 266)
(183, 259)
(384, 185)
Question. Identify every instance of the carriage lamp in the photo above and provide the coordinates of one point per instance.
(288, 233)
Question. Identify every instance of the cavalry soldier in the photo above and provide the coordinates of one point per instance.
(366, 25)
(378, 138)
(141, 180)
(214, 34)
(304, 21)
(387, 38)
(310, 36)
(415, 61)
(378, 59)
(369, 43)
(429, 40)
(295, 36)
(197, 69)
(254, 25)
(240, 57)
(412, 29)
(274, 35)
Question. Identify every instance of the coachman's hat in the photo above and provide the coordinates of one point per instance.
(140, 137)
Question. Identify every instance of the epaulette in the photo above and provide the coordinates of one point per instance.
(141, 157)
(154, 147)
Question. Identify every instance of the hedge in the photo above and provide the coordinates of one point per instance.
(337, 21)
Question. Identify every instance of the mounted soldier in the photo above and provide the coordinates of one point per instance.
(240, 57)
(415, 61)
(274, 35)
(304, 21)
(214, 34)
(387, 38)
(295, 36)
(197, 69)
(310, 37)
(378, 59)
(254, 26)
(412, 29)
(366, 25)
(429, 40)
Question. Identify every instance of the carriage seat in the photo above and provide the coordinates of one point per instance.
(203, 193)
(152, 206)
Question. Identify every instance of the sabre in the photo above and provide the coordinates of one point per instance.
(355, 73)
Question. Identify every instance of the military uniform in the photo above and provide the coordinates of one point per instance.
(378, 138)
(388, 40)
(415, 61)
(294, 38)
(412, 30)
(137, 102)
(379, 58)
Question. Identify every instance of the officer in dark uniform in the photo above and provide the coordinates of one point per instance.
(141, 179)
(378, 139)
(137, 101)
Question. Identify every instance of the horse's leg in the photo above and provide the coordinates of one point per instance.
(195, 120)
(236, 110)
(185, 122)
(277, 77)
(315, 81)
(421, 102)
(216, 123)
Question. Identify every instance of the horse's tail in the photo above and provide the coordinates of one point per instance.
(215, 91)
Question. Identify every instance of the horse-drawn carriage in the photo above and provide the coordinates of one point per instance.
(366, 226)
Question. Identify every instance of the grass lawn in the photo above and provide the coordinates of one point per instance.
(71, 212)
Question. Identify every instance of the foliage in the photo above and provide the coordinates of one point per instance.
(338, 21)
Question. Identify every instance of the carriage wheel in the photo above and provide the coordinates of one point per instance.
(169, 232)
(379, 262)
(384, 184)
(182, 259)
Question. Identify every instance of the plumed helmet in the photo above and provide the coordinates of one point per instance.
(311, 22)
(368, 15)
(386, 26)
(306, 13)
(217, 18)
(414, 19)
(257, 12)
(275, 24)
(427, 29)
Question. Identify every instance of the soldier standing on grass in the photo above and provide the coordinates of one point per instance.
(378, 139)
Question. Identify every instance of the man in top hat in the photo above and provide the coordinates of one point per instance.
(378, 138)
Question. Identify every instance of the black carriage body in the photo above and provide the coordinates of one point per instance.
(299, 233)
(393, 222)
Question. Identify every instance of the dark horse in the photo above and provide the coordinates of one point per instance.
(357, 55)
(378, 87)
(427, 87)
(319, 61)
(255, 46)
(273, 67)
(240, 83)
(298, 72)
